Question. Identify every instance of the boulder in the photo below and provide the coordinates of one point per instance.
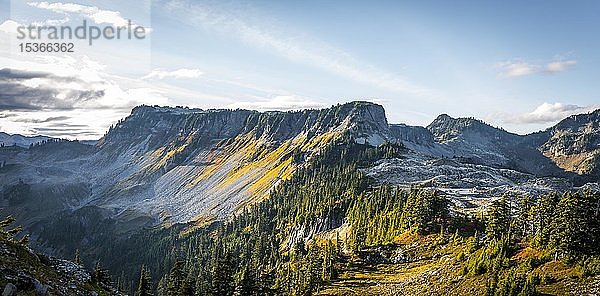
(40, 289)
(10, 290)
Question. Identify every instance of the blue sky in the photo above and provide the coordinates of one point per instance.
(522, 65)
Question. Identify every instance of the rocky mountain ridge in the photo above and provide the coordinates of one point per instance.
(574, 143)
(190, 163)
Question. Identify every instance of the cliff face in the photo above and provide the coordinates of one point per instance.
(164, 123)
(180, 164)
(191, 164)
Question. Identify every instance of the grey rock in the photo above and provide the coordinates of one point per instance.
(40, 289)
(10, 290)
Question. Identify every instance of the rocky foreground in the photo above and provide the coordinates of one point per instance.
(24, 272)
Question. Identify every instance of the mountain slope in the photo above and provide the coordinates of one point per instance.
(186, 164)
(194, 163)
(480, 143)
(24, 272)
(574, 144)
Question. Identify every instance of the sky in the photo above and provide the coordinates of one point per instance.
(520, 65)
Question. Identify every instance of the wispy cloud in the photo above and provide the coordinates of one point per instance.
(180, 73)
(512, 69)
(97, 15)
(278, 103)
(547, 113)
(52, 22)
(559, 66)
(44, 120)
(295, 47)
(516, 69)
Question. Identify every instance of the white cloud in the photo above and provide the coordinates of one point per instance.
(512, 69)
(278, 103)
(516, 69)
(74, 87)
(560, 66)
(99, 16)
(295, 47)
(9, 27)
(549, 112)
(180, 73)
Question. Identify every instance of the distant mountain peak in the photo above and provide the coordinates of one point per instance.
(443, 117)
(445, 128)
(20, 140)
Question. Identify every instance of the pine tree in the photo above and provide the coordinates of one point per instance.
(145, 283)
(176, 278)
(222, 275)
(8, 233)
(202, 285)
(246, 285)
(101, 275)
(162, 289)
(569, 230)
(188, 285)
(498, 221)
(77, 257)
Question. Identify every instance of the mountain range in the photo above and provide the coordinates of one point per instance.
(163, 166)
(181, 164)
(19, 140)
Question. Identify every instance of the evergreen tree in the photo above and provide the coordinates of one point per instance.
(246, 285)
(176, 279)
(188, 285)
(162, 289)
(145, 283)
(222, 275)
(101, 275)
(8, 233)
(77, 257)
(498, 218)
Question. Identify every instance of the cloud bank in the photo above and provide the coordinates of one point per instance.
(548, 113)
